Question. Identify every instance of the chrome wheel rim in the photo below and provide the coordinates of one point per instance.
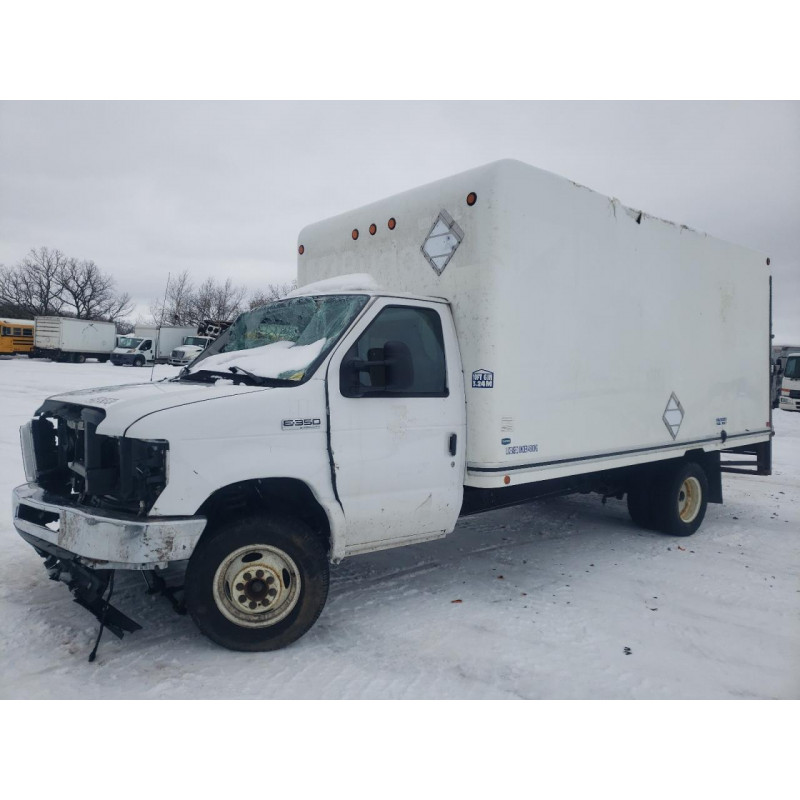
(689, 497)
(257, 586)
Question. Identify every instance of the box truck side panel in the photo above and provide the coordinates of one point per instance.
(592, 335)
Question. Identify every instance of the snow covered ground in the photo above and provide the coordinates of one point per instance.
(562, 599)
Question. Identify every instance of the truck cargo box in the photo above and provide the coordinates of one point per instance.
(166, 338)
(592, 335)
(68, 335)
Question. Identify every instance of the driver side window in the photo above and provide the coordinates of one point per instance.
(401, 354)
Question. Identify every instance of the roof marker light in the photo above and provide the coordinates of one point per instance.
(392, 223)
(355, 234)
(373, 229)
(301, 249)
(472, 198)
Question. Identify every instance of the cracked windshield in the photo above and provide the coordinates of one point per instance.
(284, 340)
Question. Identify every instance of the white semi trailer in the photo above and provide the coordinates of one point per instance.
(433, 363)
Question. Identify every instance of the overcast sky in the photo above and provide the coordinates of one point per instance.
(223, 188)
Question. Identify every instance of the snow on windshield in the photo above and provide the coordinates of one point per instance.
(269, 361)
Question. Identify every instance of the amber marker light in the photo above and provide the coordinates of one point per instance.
(355, 234)
(301, 249)
(472, 198)
(506, 480)
(392, 223)
(373, 229)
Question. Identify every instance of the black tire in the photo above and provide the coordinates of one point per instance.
(680, 498)
(138, 361)
(78, 358)
(102, 359)
(216, 575)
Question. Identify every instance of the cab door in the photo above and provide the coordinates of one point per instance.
(397, 425)
(146, 349)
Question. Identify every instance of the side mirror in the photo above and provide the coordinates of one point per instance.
(399, 366)
(390, 369)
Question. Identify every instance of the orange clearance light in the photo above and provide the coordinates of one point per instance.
(301, 249)
(506, 480)
(373, 229)
(355, 234)
(472, 198)
(392, 223)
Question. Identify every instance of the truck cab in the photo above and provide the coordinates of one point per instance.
(133, 351)
(790, 384)
(189, 350)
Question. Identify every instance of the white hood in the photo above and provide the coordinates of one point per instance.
(126, 404)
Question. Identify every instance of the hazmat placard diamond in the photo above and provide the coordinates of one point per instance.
(673, 415)
(442, 242)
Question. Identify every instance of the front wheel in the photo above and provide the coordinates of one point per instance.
(680, 499)
(257, 583)
(138, 361)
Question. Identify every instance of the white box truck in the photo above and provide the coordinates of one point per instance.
(150, 344)
(71, 339)
(482, 341)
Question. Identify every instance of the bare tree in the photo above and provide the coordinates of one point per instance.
(33, 285)
(219, 301)
(179, 306)
(273, 292)
(90, 293)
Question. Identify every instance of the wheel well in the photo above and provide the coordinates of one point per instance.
(285, 495)
(630, 477)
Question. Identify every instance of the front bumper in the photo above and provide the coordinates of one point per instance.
(101, 539)
(789, 403)
(122, 358)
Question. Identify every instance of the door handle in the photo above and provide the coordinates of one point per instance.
(453, 443)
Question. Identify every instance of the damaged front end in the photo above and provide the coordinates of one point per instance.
(85, 506)
(88, 586)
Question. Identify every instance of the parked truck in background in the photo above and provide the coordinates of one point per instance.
(449, 375)
(74, 340)
(188, 351)
(790, 383)
(149, 344)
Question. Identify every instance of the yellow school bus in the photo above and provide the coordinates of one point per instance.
(16, 336)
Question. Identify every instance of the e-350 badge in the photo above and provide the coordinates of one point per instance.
(299, 424)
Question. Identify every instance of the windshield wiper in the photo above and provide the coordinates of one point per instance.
(239, 374)
(257, 379)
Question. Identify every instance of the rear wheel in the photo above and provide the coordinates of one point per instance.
(78, 358)
(257, 583)
(680, 499)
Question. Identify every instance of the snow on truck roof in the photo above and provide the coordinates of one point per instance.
(356, 283)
